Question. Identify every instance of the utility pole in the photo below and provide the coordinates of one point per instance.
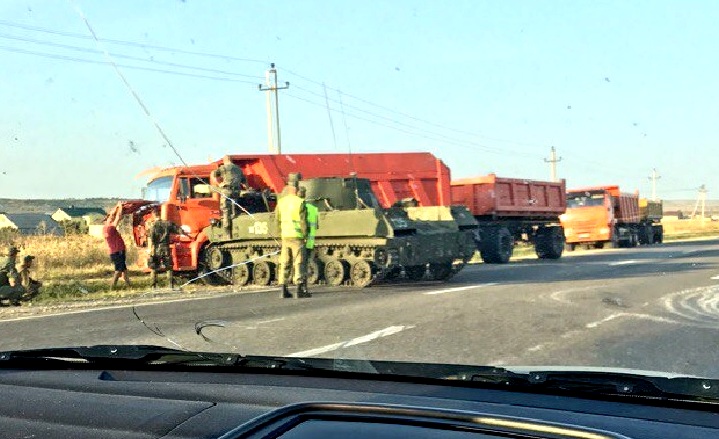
(701, 199)
(654, 177)
(553, 160)
(273, 105)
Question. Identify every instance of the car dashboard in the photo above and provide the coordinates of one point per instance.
(91, 403)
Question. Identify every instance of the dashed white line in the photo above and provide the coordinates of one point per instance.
(457, 289)
(631, 261)
(355, 341)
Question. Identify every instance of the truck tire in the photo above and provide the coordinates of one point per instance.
(658, 234)
(646, 234)
(549, 242)
(497, 245)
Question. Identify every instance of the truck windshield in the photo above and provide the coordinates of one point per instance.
(585, 200)
(158, 190)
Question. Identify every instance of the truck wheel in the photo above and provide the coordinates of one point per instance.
(497, 245)
(549, 243)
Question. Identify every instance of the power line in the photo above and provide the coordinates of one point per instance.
(415, 128)
(467, 145)
(128, 43)
(148, 69)
(436, 125)
(123, 56)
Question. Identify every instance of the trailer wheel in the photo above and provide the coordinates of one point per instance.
(549, 242)
(497, 245)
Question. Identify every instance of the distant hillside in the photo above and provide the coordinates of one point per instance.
(10, 205)
(687, 206)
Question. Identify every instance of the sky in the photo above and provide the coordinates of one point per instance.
(618, 88)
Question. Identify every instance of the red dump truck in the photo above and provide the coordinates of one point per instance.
(395, 178)
(510, 210)
(603, 216)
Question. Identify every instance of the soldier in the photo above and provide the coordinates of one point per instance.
(7, 266)
(231, 181)
(291, 216)
(158, 234)
(20, 285)
(313, 218)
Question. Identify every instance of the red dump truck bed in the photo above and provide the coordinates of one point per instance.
(510, 197)
(394, 176)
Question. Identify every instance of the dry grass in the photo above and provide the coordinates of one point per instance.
(690, 228)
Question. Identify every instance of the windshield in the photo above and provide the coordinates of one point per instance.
(472, 122)
(586, 199)
(158, 190)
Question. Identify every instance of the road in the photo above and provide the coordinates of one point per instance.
(651, 308)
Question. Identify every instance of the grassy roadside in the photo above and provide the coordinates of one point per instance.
(77, 268)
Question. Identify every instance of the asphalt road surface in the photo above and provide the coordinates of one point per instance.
(651, 308)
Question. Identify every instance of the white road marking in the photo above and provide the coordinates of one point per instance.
(631, 261)
(271, 321)
(632, 315)
(714, 278)
(355, 341)
(456, 289)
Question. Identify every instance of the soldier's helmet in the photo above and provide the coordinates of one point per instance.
(12, 250)
(27, 259)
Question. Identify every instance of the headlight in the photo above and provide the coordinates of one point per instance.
(568, 231)
(604, 231)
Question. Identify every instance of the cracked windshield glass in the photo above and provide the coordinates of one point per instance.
(476, 182)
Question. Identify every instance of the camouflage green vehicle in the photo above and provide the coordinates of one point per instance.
(357, 242)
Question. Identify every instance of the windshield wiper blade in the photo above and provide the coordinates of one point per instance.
(604, 382)
(134, 356)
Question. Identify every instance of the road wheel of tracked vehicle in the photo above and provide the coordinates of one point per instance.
(549, 243)
(263, 272)
(204, 272)
(497, 245)
(216, 258)
(313, 271)
(335, 272)
(361, 274)
(415, 272)
(241, 274)
(440, 270)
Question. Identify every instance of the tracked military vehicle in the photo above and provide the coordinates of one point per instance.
(358, 242)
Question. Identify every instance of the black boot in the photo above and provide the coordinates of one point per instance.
(302, 291)
(285, 292)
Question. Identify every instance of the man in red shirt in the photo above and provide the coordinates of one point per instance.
(116, 245)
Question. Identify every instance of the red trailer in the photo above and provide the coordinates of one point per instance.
(512, 209)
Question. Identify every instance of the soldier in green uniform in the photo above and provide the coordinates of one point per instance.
(231, 181)
(291, 216)
(158, 234)
(7, 265)
(313, 223)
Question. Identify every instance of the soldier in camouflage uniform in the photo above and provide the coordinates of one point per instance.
(158, 233)
(20, 285)
(7, 265)
(231, 182)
